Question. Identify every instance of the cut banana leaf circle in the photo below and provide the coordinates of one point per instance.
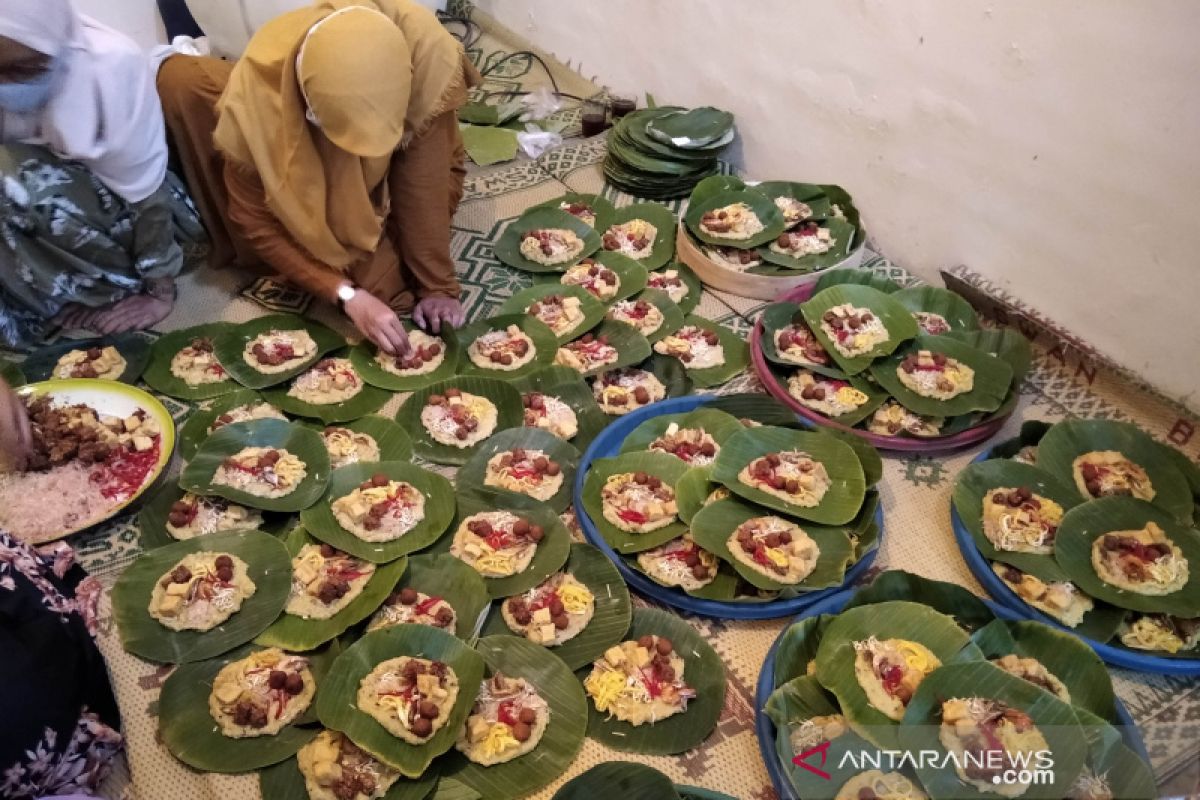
(508, 246)
(320, 521)
(591, 308)
(868, 456)
(993, 377)
(545, 345)
(1067, 441)
(798, 648)
(1100, 623)
(394, 442)
(188, 730)
(952, 308)
(369, 400)
(897, 619)
(859, 277)
(230, 348)
(842, 235)
(1123, 770)
(751, 407)
(297, 634)
(1004, 343)
(703, 671)
(811, 194)
(1055, 720)
(599, 207)
(876, 396)
(714, 185)
(671, 313)
(159, 377)
(284, 781)
(948, 598)
(713, 526)
(1086, 523)
(337, 703)
(611, 619)
(737, 354)
(631, 276)
(662, 218)
(670, 373)
(152, 519)
(694, 128)
(980, 478)
(622, 779)
(1064, 656)
(474, 473)
(133, 347)
(194, 430)
(364, 358)
(484, 113)
(509, 414)
(302, 442)
(11, 374)
(632, 348)
(444, 576)
(551, 552)
(717, 424)
(778, 316)
(666, 467)
(554, 682)
(450, 789)
(692, 491)
(566, 385)
(692, 287)
(269, 567)
(840, 503)
(896, 319)
(760, 205)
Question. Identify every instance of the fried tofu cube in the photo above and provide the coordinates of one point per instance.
(426, 683)
(615, 655)
(132, 423)
(306, 573)
(473, 550)
(171, 605)
(478, 728)
(142, 443)
(542, 616)
(177, 589)
(327, 773)
(641, 657)
(227, 691)
(326, 749)
(548, 633)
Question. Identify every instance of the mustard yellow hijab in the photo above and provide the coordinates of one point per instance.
(320, 101)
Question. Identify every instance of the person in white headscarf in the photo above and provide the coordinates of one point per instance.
(93, 227)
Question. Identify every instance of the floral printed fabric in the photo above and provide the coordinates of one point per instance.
(61, 721)
(66, 238)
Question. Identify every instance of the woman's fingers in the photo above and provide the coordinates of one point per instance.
(396, 335)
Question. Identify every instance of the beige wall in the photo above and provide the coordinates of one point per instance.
(1053, 146)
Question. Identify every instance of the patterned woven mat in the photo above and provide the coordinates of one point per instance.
(1067, 379)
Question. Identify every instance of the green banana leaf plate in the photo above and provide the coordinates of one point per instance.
(195, 429)
(473, 474)
(508, 246)
(600, 207)
(364, 357)
(631, 276)
(631, 346)
(691, 288)
(442, 576)
(394, 442)
(662, 218)
(951, 312)
(762, 206)
(502, 394)
(284, 781)
(152, 519)
(591, 308)
(716, 423)
(545, 345)
(230, 348)
(992, 380)
(133, 347)
(672, 315)
(368, 400)
(566, 385)
(896, 319)
(666, 467)
(737, 354)
(159, 377)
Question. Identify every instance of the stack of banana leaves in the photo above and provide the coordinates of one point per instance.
(663, 152)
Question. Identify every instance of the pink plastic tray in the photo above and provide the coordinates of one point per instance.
(898, 444)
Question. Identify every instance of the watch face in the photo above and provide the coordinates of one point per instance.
(345, 293)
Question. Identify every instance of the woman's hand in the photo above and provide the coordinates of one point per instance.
(16, 436)
(434, 312)
(376, 321)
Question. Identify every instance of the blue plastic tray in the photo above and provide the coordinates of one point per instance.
(607, 444)
(832, 604)
(1117, 656)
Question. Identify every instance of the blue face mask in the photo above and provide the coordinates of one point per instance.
(31, 95)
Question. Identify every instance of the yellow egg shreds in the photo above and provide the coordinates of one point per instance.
(575, 598)
(499, 739)
(851, 396)
(605, 687)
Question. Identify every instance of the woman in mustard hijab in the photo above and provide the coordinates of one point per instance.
(330, 154)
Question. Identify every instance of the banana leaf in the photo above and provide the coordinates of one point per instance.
(593, 310)
(1065, 656)
(1191, 472)
(545, 345)
(612, 615)
(844, 241)
(712, 186)
(703, 671)
(631, 276)
(1055, 719)
(268, 566)
(725, 586)
(737, 355)
(876, 395)
(302, 442)
(551, 552)
(152, 518)
(1123, 770)
(1087, 522)
(713, 526)
(861, 277)
(670, 372)
(230, 347)
(188, 730)
(487, 145)
(194, 430)
(283, 781)
(630, 131)
(896, 318)
(1007, 344)
(1068, 440)
(510, 414)
(687, 304)
(847, 489)
(865, 541)
(652, 170)
(394, 442)
(896, 619)
(133, 347)
(811, 194)
(698, 127)
(993, 377)
(297, 634)
(631, 346)
(762, 206)
(337, 704)
(697, 793)
(672, 314)
(158, 375)
(508, 246)
(564, 733)
(957, 312)
(600, 206)
(1100, 624)
(778, 316)
(666, 467)
(450, 789)
(662, 218)
(868, 456)
(473, 474)
(362, 355)
(974, 484)
(623, 779)
(369, 400)
(442, 575)
(484, 113)
(11, 374)
(691, 490)
(797, 652)
(757, 407)
(948, 598)
(320, 521)
(717, 424)
(565, 384)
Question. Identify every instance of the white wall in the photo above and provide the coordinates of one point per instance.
(1054, 147)
(137, 19)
